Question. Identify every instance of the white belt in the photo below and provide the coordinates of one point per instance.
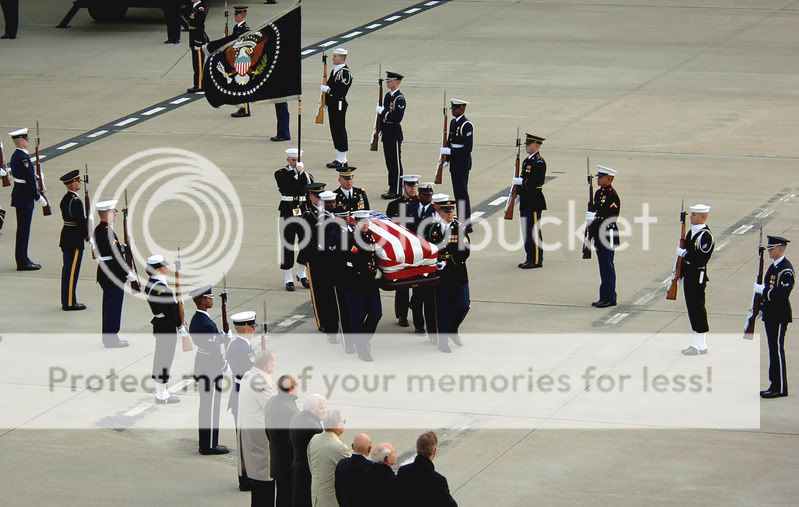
(19, 180)
(105, 258)
(292, 198)
(238, 380)
(456, 146)
(159, 316)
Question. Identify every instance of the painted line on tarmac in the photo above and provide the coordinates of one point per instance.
(184, 99)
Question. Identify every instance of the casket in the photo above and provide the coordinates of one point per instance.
(405, 259)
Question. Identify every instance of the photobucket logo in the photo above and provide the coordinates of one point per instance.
(176, 199)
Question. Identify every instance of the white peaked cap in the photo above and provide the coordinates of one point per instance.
(327, 195)
(440, 197)
(18, 132)
(106, 205)
(600, 169)
(243, 317)
(156, 259)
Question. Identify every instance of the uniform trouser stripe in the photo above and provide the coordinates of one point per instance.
(313, 295)
(199, 68)
(71, 289)
(536, 243)
(399, 166)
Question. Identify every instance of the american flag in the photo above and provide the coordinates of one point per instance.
(401, 253)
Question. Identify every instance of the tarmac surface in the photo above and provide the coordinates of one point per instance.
(693, 100)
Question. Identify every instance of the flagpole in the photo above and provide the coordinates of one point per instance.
(299, 129)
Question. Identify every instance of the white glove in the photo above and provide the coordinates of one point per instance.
(229, 334)
(681, 252)
(590, 216)
(300, 167)
(379, 109)
(3, 172)
(516, 181)
(130, 277)
(378, 274)
(445, 151)
(41, 200)
(759, 288)
(324, 88)
(182, 331)
(441, 265)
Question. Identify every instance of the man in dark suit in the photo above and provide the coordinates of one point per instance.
(776, 289)
(380, 481)
(11, 16)
(304, 425)
(209, 368)
(74, 234)
(531, 201)
(350, 477)
(171, 10)
(280, 410)
(418, 483)
(24, 196)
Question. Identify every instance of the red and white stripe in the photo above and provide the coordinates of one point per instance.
(401, 253)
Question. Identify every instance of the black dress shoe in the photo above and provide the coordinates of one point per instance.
(270, 2)
(304, 281)
(219, 449)
(194, 89)
(403, 323)
(526, 265)
(244, 484)
(241, 113)
(168, 401)
(349, 348)
(773, 394)
(120, 344)
(605, 304)
(388, 195)
(365, 356)
(596, 302)
(335, 164)
(290, 286)
(456, 340)
(277, 139)
(74, 308)
(765, 391)
(11, 37)
(171, 42)
(30, 267)
(419, 330)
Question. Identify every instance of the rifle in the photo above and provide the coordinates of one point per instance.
(134, 285)
(749, 329)
(378, 128)
(671, 294)
(87, 207)
(46, 211)
(223, 297)
(445, 136)
(187, 346)
(511, 202)
(320, 114)
(6, 180)
(226, 16)
(266, 330)
(587, 239)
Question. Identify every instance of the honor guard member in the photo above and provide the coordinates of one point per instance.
(402, 210)
(360, 292)
(699, 245)
(11, 18)
(24, 196)
(112, 273)
(74, 234)
(776, 307)
(197, 39)
(459, 156)
(239, 29)
(166, 322)
(291, 181)
(452, 294)
(601, 223)
(392, 110)
(532, 201)
(3, 174)
(423, 299)
(240, 356)
(350, 198)
(338, 84)
(209, 369)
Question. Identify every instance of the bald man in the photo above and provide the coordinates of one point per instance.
(351, 474)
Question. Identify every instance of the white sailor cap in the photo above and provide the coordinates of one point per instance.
(600, 169)
(106, 205)
(340, 51)
(457, 102)
(700, 208)
(157, 260)
(18, 133)
(411, 179)
(440, 198)
(294, 152)
(327, 195)
(243, 318)
(363, 213)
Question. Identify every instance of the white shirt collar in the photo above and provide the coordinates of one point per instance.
(161, 278)
(194, 4)
(347, 193)
(458, 117)
(23, 150)
(778, 260)
(696, 228)
(393, 92)
(242, 22)
(446, 224)
(338, 67)
(73, 192)
(202, 311)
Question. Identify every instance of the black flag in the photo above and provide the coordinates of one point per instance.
(262, 64)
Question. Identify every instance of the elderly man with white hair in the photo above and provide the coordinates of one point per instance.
(303, 427)
(380, 480)
(325, 450)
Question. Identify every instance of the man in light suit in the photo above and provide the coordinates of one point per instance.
(257, 387)
(303, 427)
(325, 450)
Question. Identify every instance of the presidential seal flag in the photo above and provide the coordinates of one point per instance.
(262, 64)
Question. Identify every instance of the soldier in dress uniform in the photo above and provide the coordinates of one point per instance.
(338, 84)
(532, 201)
(452, 293)
(74, 234)
(291, 181)
(112, 273)
(392, 110)
(699, 245)
(601, 222)
(240, 356)
(197, 39)
(3, 174)
(166, 325)
(776, 310)
(24, 196)
(402, 210)
(350, 198)
(458, 153)
(239, 29)
(209, 369)
(423, 298)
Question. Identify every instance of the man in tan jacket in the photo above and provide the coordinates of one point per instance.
(324, 452)
(257, 387)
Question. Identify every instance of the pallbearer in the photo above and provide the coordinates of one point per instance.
(239, 29)
(291, 181)
(776, 307)
(531, 201)
(240, 356)
(403, 210)
(350, 197)
(699, 245)
(459, 157)
(338, 84)
(74, 234)
(601, 223)
(423, 299)
(24, 196)
(392, 111)
(197, 39)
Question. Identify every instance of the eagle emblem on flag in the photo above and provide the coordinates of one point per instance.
(243, 57)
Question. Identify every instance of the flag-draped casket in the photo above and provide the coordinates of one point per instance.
(402, 255)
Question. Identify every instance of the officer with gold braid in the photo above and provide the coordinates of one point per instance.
(531, 201)
(197, 39)
(74, 234)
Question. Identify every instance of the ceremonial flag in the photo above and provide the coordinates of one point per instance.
(262, 64)
(401, 254)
